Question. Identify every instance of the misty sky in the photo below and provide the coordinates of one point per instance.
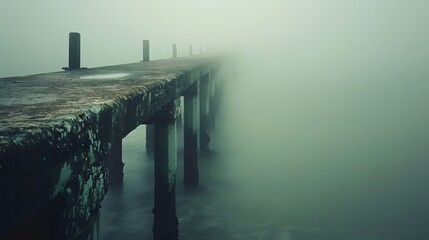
(333, 92)
(34, 34)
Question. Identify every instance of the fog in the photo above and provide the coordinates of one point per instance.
(34, 33)
(323, 133)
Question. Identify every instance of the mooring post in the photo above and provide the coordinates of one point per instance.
(204, 110)
(165, 226)
(74, 50)
(145, 50)
(174, 51)
(191, 134)
(190, 50)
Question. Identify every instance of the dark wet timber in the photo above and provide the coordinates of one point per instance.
(60, 132)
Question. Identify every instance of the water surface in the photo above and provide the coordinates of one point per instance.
(299, 152)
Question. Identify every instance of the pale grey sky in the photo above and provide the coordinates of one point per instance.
(34, 34)
(332, 94)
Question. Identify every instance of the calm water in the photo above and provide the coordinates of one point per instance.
(298, 154)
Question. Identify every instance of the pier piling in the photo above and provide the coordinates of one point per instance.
(149, 127)
(204, 111)
(212, 102)
(191, 134)
(115, 163)
(165, 224)
(174, 50)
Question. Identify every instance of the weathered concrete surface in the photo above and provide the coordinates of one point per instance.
(191, 131)
(165, 224)
(204, 112)
(55, 132)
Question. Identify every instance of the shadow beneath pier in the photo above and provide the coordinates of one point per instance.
(41, 225)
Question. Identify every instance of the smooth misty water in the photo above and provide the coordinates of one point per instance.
(298, 155)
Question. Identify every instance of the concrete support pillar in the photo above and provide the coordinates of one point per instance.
(204, 111)
(213, 101)
(190, 50)
(179, 124)
(179, 120)
(146, 51)
(150, 138)
(165, 226)
(74, 50)
(191, 135)
(115, 163)
(149, 127)
(174, 51)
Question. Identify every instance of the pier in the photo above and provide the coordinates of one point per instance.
(61, 136)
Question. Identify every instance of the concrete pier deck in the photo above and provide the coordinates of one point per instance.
(56, 131)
